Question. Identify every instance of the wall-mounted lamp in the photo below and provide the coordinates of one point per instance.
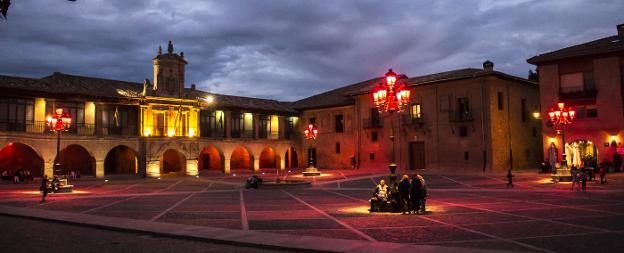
(536, 115)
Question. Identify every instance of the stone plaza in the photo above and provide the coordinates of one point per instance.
(467, 211)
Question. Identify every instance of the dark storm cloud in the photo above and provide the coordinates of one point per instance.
(287, 50)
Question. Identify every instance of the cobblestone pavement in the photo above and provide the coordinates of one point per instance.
(464, 210)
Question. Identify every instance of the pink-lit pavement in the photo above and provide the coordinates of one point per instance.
(471, 211)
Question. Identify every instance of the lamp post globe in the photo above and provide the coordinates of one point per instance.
(58, 122)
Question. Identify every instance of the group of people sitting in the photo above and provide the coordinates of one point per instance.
(407, 196)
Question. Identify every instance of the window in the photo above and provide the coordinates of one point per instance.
(466, 156)
(119, 120)
(337, 147)
(463, 109)
(415, 111)
(290, 127)
(592, 113)
(374, 118)
(571, 82)
(523, 111)
(211, 124)
(15, 114)
(588, 81)
(371, 156)
(500, 100)
(312, 120)
(237, 125)
(159, 123)
(463, 131)
(374, 136)
(75, 109)
(339, 123)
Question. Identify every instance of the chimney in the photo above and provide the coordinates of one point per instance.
(620, 29)
(192, 86)
(488, 65)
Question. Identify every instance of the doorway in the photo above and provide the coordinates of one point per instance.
(417, 155)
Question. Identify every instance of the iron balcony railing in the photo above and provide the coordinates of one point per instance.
(410, 119)
(460, 116)
(121, 130)
(372, 123)
(245, 134)
(577, 93)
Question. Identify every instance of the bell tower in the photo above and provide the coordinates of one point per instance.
(169, 72)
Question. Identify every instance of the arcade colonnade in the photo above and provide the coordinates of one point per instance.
(153, 157)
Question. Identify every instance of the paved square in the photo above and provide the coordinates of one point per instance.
(472, 211)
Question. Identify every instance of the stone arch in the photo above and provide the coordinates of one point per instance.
(17, 156)
(241, 158)
(172, 161)
(121, 159)
(291, 158)
(75, 157)
(269, 158)
(211, 158)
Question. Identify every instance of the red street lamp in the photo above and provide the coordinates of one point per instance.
(59, 121)
(390, 97)
(310, 133)
(561, 116)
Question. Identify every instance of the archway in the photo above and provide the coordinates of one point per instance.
(269, 159)
(121, 160)
(291, 158)
(172, 162)
(210, 158)
(241, 159)
(17, 156)
(76, 158)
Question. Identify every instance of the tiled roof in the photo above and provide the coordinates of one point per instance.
(600, 46)
(342, 96)
(236, 102)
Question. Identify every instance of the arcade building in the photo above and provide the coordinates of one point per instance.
(475, 119)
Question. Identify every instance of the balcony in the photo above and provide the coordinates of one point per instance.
(82, 129)
(122, 130)
(217, 133)
(245, 134)
(460, 116)
(572, 93)
(372, 123)
(268, 135)
(413, 120)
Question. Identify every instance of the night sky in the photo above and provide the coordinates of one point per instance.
(288, 50)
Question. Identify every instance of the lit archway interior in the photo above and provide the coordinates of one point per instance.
(172, 162)
(17, 156)
(241, 159)
(76, 158)
(121, 160)
(210, 159)
(268, 158)
(291, 158)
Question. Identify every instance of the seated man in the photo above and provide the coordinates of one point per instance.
(380, 197)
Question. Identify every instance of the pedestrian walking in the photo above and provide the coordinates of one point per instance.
(404, 194)
(603, 175)
(44, 187)
(16, 178)
(416, 186)
(509, 179)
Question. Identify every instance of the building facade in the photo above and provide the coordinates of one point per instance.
(467, 119)
(588, 78)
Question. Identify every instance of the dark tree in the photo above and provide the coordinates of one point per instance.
(4, 7)
(534, 76)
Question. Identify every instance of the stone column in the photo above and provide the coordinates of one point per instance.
(226, 166)
(48, 168)
(99, 168)
(282, 163)
(153, 168)
(256, 164)
(191, 167)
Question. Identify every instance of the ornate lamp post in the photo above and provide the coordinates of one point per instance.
(58, 122)
(310, 133)
(560, 117)
(391, 97)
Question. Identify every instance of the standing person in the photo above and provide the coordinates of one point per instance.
(16, 178)
(583, 178)
(603, 175)
(415, 193)
(422, 196)
(44, 187)
(404, 194)
(574, 174)
(509, 179)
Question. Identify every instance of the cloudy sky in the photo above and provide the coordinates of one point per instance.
(288, 50)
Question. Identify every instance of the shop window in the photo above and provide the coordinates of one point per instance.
(500, 101)
(463, 131)
(374, 136)
(371, 156)
(337, 147)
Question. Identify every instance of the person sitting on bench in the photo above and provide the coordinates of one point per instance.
(380, 197)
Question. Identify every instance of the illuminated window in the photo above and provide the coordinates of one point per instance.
(415, 111)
